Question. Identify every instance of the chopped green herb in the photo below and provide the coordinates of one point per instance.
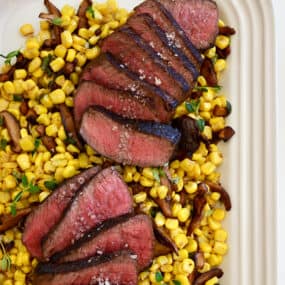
(70, 140)
(209, 213)
(176, 282)
(5, 260)
(206, 88)
(10, 56)
(161, 172)
(18, 196)
(45, 64)
(1, 121)
(175, 180)
(158, 276)
(91, 11)
(229, 107)
(3, 144)
(155, 174)
(13, 209)
(214, 59)
(25, 182)
(33, 189)
(37, 143)
(193, 106)
(201, 124)
(17, 175)
(57, 21)
(154, 211)
(18, 98)
(51, 185)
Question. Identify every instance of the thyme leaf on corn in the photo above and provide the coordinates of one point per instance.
(176, 282)
(25, 181)
(5, 260)
(37, 143)
(18, 98)
(158, 276)
(1, 121)
(10, 56)
(56, 21)
(3, 144)
(201, 124)
(51, 184)
(193, 106)
(91, 11)
(206, 88)
(45, 64)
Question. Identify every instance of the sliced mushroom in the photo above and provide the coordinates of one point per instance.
(52, 8)
(208, 71)
(83, 21)
(224, 53)
(163, 237)
(225, 197)
(204, 277)
(165, 206)
(24, 108)
(160, 249)
(13, 129)
(199, 260)
(226, 31)
(220, 111)
(31, 116)
(69, 125)
(8, 221)
(49, 143)
(40, 129)
(226, 134)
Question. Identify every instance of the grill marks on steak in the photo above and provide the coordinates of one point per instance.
(134, 142)
(116, 268)
(123, 47)
(126, 232)
(146, 28)
(48, 214)
(108, 73)
(176, 36)
(123, 103)
(197, 18)
(105, 196)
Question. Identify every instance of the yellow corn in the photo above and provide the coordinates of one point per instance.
(81, 58)
(220, 235)
(23, 161)
(180, 240)
(20, 74)
(159, 219)
(60, 51)
(10, 182)
(208, 167)
(202, 81)
(146, 182)
(171, 224)
(9, 87)
(222, 41)
(162, 191)
(210, 53)
(220, 248)
(67, 11)
(57, 64)
(182, 278)
(57, 96)
(220, 65)
(71, 53)
(212, 281)
(27, 143)
(140, 197)
(191, 187)
(66, 39)
(192, 245)
(68, 87)
(219, 214)
(183, 215)
(26, 30)
(92, 52)
(34, 64)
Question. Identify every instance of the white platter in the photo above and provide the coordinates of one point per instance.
(249, 171)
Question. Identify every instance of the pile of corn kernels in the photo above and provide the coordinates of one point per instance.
(43, 89)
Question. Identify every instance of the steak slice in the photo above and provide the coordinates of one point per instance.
(131, 51)
(134, 233)
(151, 33)
(111, 73)
(136, 142)
(175, 35)
(47, 214)
(105, 196)
(198, 18)
(89, 93)
(116, 268)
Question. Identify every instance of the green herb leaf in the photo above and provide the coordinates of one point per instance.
(17, 175)
(37, 143)
(206, 88)
(175, 180)
(91, 11)
(214, 59)
(158, 276)
(45, 64)
(201, 124)
(18, 197)
(193, 106)
(13, 209)
(229, 107)
(1, 121)
(10, 56)
(51, 185)
(3, 144)
(18, 98)
(154, 211)
(33, 189)
(155, 174)
(161, 172)
(56, 21)
(70, 140)
(25, 181)
(209, 213)
(176, 282)
(5, 260)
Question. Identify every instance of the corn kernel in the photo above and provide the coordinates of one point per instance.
(191, 187)
(92, 52)
(162, 191)
(159, 219)
(51, 130)
(218, 214)
(220, 235)
(146, 182)
(202, 81)
(68, 87)
(26, 30)
(23, 161)
(207, 168)
(222, 41)
(186, 164)
(93, 40)
(183, 279)
(66, 39)
(57, 64)
(43, 196)
(60, 51)
(220, 248)
(205, 247)
(220, 65)
(81, 58)
(180, 240)
(166, 268)
(71, 55)
(57, 96)
(84, 33)
(67, 10)
(69, 171)
(27, 143)
(20, 74)
(140, 197)
(183, 215)
(210, 53)
(212, 281)
(188, 265)
(128, 177)
(19, 276)
(8, 282)
(213, 224)
(9, 87)
(171, 224)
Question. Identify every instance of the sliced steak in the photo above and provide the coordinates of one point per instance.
(105, 196)
(89, 93)
(112, 269)
(151, 33)
(135, 142)
(109, 72)
(47, 214)
(131, 50)
(198, 18)
(132, 233)
(175, 35)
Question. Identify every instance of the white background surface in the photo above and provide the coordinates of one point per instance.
(279, 6)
